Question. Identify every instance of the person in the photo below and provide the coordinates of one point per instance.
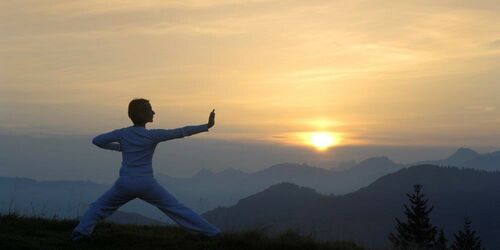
(136, 180)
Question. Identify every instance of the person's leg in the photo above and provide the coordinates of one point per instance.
(103, 207)
(181, 214)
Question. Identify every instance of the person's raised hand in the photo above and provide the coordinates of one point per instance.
(211, 119)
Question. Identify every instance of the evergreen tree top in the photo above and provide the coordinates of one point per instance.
(467, 238)
(418, 231)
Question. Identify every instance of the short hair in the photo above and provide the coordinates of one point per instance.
(136, 109)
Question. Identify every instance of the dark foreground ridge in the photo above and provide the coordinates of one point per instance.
(38, 233)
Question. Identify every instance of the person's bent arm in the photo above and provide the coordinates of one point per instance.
(110, 141)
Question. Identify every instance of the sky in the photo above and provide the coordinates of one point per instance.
(397, 73)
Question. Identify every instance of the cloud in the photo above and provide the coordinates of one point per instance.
(386, 66)
(495, 44)
(93, 7)
(483, 108)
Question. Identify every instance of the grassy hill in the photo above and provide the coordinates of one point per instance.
(38, 233)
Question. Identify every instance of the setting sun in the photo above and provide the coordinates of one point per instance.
(323, 140)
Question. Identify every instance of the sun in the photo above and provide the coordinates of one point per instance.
(323, 140)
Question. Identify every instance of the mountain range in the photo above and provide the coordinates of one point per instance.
(207, 190)
(203, 191)
(367, 216)
(468, 158)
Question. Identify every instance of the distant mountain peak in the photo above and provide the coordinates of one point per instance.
(291, 169)
(376, 165)
(204, 173)
(231, 172)
(287, 188)
(284, 185)
(376, 162)
(463, 151)
(462, 155)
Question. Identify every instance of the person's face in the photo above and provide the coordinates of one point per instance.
(149, 113)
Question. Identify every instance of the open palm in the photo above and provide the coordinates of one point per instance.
(211, 119)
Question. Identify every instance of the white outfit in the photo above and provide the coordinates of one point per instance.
(136, 180)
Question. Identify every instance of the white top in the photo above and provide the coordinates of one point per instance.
(138, 144)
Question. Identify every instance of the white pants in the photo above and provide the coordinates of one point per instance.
(127, 188)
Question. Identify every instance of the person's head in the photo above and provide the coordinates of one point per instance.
(140, 111)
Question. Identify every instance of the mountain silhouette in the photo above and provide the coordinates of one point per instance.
(207, 190)
(203, 173)
(290, 170)
(468, 158)
(462, 155)
(203, 191)
(459, 157)
(489, 161)
(368, 215)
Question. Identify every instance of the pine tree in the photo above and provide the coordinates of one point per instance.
(417, 232)
(466, 239)
(441, 242)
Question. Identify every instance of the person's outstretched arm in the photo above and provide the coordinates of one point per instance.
(110, 140)
(160, 135)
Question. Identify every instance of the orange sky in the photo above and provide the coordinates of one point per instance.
(374, 72)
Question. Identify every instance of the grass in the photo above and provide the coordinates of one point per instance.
(38, 233)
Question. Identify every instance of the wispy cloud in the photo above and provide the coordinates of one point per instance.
(269, 64)
(495, 44)
(483, 108)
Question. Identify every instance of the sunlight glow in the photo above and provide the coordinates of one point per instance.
(323, 140)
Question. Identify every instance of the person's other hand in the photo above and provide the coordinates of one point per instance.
(211, 119)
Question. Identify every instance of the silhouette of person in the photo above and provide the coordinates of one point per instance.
(136, 179)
